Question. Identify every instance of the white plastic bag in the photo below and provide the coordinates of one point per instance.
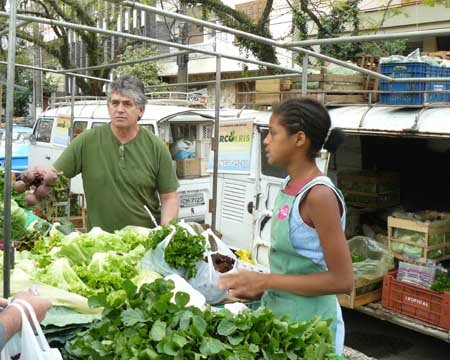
(32, 347)
(153, 260)
(206, 278)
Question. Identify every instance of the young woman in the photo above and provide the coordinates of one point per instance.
(309, 259)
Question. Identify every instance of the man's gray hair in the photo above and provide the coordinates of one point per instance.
(130, 86)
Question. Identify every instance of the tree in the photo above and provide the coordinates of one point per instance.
(333, 18)
(146, 71)
(85, 12)
(23, 81)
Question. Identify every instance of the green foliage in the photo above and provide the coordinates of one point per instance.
(23, 78)
(342, 18)
(441, 283)
(147, 325)
(185, 251)
(148, 71)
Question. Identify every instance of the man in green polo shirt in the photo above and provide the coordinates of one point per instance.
(124, 166)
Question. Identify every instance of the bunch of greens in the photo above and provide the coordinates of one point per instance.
(147, 325)
(185, 251)
(441, 282)
(155, 238)
(18, 221)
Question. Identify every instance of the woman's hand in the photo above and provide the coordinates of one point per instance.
(244, 284)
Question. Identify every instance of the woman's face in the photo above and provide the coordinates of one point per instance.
(279, 145)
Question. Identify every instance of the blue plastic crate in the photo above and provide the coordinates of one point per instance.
(438, 71)
(404, 70)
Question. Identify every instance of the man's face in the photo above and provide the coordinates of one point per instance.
(123, 111)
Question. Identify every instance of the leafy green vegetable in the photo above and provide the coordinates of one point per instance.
(185, 251)
(358, 258)
(159, 235)
(148, 326)
(60, 274)
(18, 220)
(441, 283)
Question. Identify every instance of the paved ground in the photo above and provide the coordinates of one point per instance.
(386, 341)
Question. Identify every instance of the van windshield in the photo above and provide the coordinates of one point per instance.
(266, 168)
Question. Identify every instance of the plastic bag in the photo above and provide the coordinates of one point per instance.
(153, 260)
(371, 259)
(206, 278)
(183, 149)
(32, 347)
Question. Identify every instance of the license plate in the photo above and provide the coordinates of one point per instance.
(191, 198)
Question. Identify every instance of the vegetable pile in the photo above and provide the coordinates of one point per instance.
(147, 325)
(441, 282)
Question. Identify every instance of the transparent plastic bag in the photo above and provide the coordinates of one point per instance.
(153, 260)
(205, 281)
(371, 258)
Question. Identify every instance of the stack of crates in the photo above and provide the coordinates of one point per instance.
(401, 94)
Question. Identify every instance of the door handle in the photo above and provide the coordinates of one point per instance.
(250, 207)
(47, 157)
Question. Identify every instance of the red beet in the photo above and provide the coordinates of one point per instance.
(42, 192)
(50, 179)
(20, 186)
(31, 199)
(28, 177)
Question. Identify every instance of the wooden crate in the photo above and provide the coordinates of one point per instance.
(370, 189)
(445, 55)
(341, 87)
(79, 221)
(429, 230)
(267, 91)
(364, 292)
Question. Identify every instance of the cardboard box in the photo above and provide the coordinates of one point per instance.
(189, 167)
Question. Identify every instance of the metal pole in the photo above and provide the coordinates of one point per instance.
(257, 38)
(373, 37)
(213, 204)
(72, 117)
(7, 250)
(19, 24)
(153, 41)
(243, 79)
(56, 71)
(305, 75)
(129, 62)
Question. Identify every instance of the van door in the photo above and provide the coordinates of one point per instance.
(271, 180)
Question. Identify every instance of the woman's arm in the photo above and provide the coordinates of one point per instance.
(323, 209)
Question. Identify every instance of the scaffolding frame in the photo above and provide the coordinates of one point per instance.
(293, 46)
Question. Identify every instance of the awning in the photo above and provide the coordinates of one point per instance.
(393, 121)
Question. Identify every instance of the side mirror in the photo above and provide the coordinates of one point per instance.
(32, 139)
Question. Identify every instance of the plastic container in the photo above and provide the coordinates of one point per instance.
(404, 70)
(426, 305)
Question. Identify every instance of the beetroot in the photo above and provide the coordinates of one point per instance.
(50, 179)
(20, 186)
(222, 263)
(27, 177)
(31, 199)
(42, 192)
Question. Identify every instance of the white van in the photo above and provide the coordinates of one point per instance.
(171, 123)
